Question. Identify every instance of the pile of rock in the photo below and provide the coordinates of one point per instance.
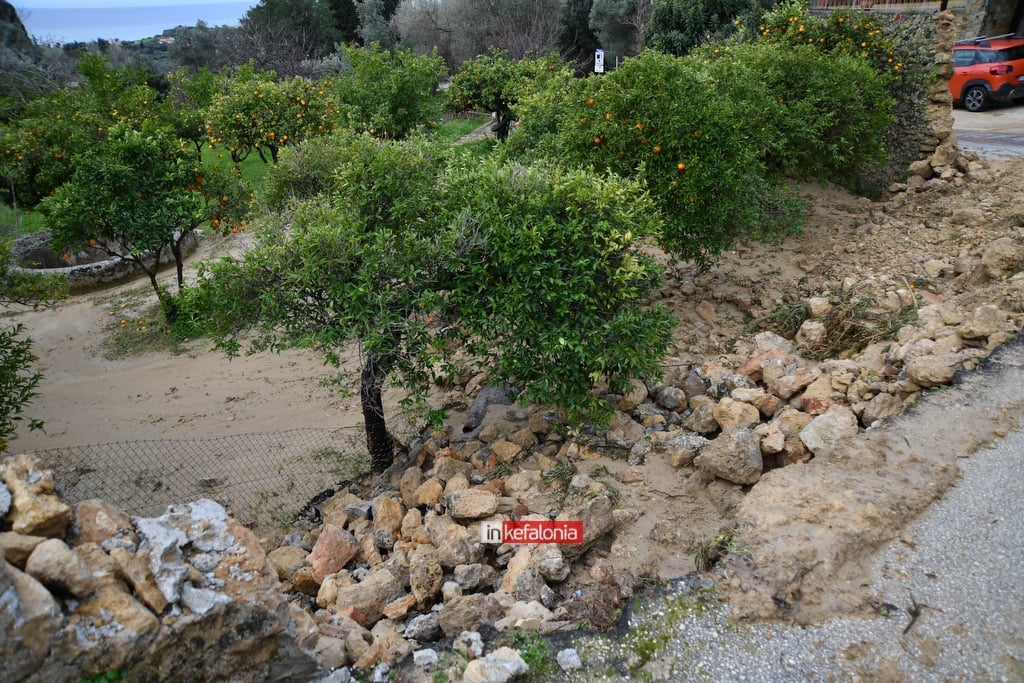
(192, 593)
(189, 595)
(407, 567)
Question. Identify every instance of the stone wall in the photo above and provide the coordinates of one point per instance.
(189, 595)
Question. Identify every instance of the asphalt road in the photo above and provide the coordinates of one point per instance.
(996, 132)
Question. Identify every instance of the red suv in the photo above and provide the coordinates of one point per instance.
(987, 70)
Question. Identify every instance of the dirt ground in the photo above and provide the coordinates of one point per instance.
(87, 396)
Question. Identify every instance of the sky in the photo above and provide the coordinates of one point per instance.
(64, 21)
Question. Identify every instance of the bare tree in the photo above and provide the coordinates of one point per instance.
(423, 25)
(273, 48)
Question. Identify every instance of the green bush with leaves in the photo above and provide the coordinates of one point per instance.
(536, 272)
(139, 194)
(256, 113)
(390, 93)
(677, 26)
(814, 114)
(848, 31)
(495, 83)
(668, 123)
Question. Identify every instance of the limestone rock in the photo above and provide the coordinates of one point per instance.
(673, 398)
(29, 619)
(933, 370)
(702, 416)
(789, 385)
(468, 612)
(772, 438)
(499, 666)
(505, 450)
(287, 560)
(568, 659)
(811, 335)
(474, 576)
(446, 468)
(387, 515)
(882, 406)
(97, 521)
(819, 396)
(734, 456)
(368, 596)
(682, 447)
(333, 550)
(827, 429)
(522, 579)
(429, 492)
(425, 628)
(411, 479)
(731, 413)
(35, 509)
(425, 575)
(1003, 257)
(597, 518)
(985, 321)
(472, 504)
(17, 547)
(636, 395)
(135, 570)
(525, 616)
(55, 565)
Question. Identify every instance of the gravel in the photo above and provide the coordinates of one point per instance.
(959, 567)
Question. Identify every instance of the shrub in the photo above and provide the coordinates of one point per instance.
(390, 93)
(667, 122)
(814, 114)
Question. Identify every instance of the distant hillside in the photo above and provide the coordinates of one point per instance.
(12, 32)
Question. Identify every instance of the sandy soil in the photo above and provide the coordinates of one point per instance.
(87, 397)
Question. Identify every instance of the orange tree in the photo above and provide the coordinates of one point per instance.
(813, 113)
(184, 108)
(495, 84)
(137, 195)
(389, 93)
(255, 113)
(536, 272)
(666, 122)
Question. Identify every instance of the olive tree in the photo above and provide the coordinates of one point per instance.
(537, 274)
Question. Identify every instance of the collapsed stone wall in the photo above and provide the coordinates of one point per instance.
(189, 595)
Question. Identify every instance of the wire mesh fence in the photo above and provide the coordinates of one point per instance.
(264, 479)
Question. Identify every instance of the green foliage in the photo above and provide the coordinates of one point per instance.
(668, 123)
(38, 147)
(553, 296)
(256, 113)
(814, 114)
(533, 648)
(535, 272)
(135, 196)
(108, 676)
(846, 31)
(494, 83)
(677, 26)
(183, 110)
(390, 93)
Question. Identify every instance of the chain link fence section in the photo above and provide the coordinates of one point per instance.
(264, 479)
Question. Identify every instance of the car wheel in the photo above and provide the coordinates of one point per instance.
(975, 98)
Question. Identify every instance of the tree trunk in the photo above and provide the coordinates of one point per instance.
(379, 441)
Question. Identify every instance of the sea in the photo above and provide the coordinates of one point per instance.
(52, 25)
